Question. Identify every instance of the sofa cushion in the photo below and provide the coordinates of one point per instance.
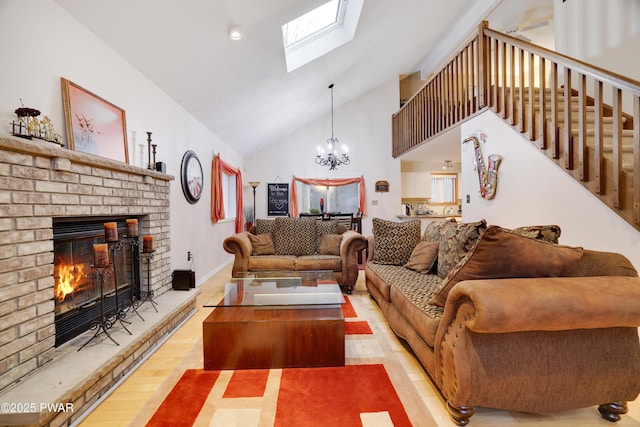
(295, 236)
(423, 257)
(501, 253)
(548, 233)
(330, 244)
(456, 241)
(272, 262)
(325, 227)
(262, 244)
(410, 292)
(318, 262)
(394, 241)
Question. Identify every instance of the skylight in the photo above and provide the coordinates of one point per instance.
(319, 31)
(310, 23)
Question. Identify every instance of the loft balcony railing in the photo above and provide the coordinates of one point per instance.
(585, 118)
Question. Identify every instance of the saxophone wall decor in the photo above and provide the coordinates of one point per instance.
(487, 173)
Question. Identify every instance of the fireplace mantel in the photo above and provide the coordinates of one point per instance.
(40, 181)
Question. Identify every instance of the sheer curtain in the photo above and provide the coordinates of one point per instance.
(443, 189)
(293, 211)
(218, 167)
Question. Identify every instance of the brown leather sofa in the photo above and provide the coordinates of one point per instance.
(518, 323)
(298, 244)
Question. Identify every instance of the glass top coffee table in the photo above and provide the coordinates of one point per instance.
(275, 319)
(280, 288)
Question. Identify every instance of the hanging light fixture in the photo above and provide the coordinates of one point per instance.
(331, 158)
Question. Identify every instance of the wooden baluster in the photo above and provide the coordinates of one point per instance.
(512, 102)
(531, 104)
(598, 136)
(521, 109)
(542, 124)
(617, 146)
(583, 160)
(568, 146)
(555, 141)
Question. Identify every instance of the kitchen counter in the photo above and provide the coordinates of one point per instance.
(432, 216)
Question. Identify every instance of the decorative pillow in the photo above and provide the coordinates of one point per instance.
(394, 241)
(548, 233)
(501, 253)
(423, 257)
(295, 236)
(265, 226)
(262, 244)
(433, 230)
(456, 241)
(325, 227)
(330, 244)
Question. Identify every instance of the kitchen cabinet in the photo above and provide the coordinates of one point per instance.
(416, 185)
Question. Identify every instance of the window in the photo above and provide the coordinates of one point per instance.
(320, 31)
(338, 199)
(444, 188)
(229, 195)
(311, 23)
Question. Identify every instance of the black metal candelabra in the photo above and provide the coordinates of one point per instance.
(104, 323)
(148, 295)
(134, 245)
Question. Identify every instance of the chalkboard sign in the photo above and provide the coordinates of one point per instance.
(277, 199)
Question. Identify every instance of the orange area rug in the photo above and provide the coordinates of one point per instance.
(306, 397)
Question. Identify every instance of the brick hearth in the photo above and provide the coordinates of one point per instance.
(40, 181)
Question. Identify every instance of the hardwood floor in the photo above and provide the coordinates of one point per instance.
(127, 402)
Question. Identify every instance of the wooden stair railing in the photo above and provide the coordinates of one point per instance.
(572, 111)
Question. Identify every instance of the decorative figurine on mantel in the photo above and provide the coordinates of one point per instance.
(29, 126)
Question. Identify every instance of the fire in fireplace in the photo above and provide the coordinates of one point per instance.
(76, 283)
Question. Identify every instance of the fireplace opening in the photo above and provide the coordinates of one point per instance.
(77, 285)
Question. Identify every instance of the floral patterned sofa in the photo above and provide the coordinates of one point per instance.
(300, 244)
(510, 319)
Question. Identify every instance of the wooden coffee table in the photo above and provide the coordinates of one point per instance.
(287, 320)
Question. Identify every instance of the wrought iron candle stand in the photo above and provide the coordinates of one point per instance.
(148, 296)
(134, 245)
(105, 322)
(120, 312)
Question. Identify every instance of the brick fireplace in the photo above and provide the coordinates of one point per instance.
(40, 184)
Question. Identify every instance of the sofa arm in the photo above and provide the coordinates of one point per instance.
(352, 242)
(546, 304)
(239, 245)
(576, 339)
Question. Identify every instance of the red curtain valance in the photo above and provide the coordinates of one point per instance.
(327, 183)
(218, 167)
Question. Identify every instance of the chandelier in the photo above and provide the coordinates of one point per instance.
(332, 159)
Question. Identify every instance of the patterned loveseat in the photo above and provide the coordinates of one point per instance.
(301, 244)
(510, 319)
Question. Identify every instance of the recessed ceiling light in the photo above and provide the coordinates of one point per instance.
(234, 32)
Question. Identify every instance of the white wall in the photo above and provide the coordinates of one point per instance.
(603, 33)
(364, 125)
(533, 190)
(40, 43)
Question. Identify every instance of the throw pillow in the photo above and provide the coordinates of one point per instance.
(265, 226)
(456, 241)
(330, 244)
(548, 233)
(325, 227)
(501, 253)
(394, 241)
(433, 230)
(262, 244)
(423, 257)
(295, 236)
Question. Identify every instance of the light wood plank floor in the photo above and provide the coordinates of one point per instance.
(127, 401)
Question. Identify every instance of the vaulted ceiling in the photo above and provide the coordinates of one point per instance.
(241, 89)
